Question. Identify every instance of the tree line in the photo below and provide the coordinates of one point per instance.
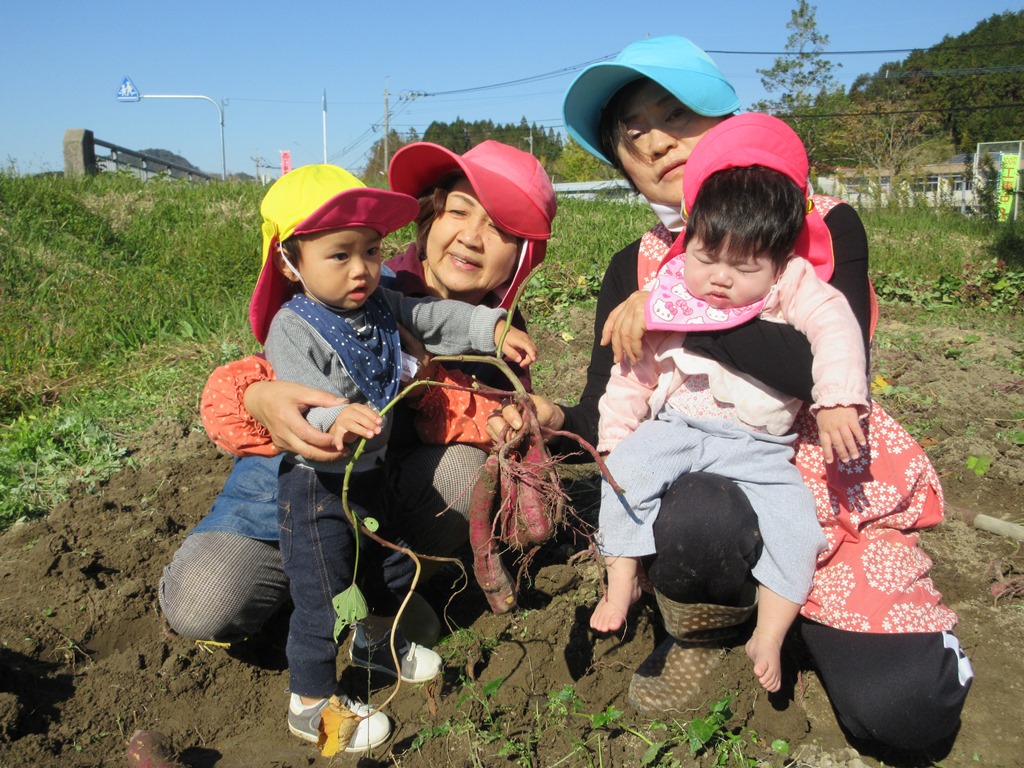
(933, 104)
(546, 144)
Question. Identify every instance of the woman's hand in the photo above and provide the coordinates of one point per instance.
(280, 407)
(549, 415)
(625, 328)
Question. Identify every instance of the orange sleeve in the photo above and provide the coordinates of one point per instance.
(445, 415)
(223, 412)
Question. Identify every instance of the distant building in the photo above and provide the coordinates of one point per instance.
(951, 183)
(948, 183)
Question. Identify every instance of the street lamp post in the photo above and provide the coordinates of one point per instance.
(129, 93)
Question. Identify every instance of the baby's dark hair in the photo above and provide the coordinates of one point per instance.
(752, 211)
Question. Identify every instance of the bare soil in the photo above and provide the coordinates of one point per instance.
(85, 658)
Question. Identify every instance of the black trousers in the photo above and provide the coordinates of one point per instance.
(904, 691)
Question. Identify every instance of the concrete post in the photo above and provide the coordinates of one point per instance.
(79, 152)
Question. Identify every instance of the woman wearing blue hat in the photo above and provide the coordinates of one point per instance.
(884, 652)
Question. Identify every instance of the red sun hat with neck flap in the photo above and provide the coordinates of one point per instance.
(511, 184)
(754, 138)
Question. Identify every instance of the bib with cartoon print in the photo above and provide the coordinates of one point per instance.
(671, 307)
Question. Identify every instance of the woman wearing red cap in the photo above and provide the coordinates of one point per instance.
(881, 644)
(482, 227)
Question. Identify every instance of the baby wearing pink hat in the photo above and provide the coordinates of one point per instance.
(754, 247)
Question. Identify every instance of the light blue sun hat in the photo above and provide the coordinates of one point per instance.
(673, 62)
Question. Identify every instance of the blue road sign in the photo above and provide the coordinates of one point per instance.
(128, 91)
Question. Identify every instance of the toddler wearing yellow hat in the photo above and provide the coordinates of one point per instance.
(326, 322)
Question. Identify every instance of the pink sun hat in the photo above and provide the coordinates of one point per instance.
(316, 198)
(754, 138)
(511, 184)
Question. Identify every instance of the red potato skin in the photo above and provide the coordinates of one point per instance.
(530, 490)
(491, 574)
(507, 520)
(146, 750)
(538, 513)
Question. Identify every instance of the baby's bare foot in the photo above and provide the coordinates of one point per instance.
(766, 653)
(607, 616)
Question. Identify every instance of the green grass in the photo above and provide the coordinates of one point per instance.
(926, 244)
(117, 298)
(929, 257)
(98, 268)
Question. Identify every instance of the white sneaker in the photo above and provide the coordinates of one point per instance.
(418, 664)
(373, 730)
(419, 623)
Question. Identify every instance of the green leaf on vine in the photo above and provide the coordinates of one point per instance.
(350, 607)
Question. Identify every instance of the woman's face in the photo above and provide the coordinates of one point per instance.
(467, 256)
(663, 132)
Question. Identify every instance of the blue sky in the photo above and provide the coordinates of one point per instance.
(62, 62)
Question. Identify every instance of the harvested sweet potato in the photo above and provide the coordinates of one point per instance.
(516, 504)
(532, 499)
(491, 573)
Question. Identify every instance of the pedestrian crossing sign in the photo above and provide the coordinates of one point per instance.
(128, 91)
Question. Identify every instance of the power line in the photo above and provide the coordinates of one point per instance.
(271, 101)
(410, 94)
(531, 79)
(407, 97)
(352, 145)
(578, 67)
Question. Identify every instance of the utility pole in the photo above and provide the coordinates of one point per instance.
(325, 126)
(259, 164)
(386, 127)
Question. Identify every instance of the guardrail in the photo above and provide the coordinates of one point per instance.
(80, 158)
(611, 189)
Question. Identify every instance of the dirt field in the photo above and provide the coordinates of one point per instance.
(85, 658)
